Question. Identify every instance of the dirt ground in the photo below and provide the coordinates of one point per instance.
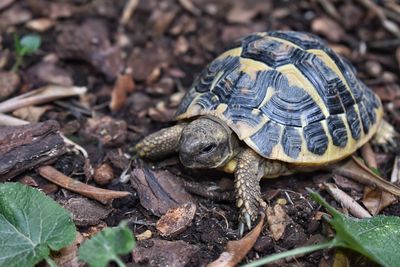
(137, 62)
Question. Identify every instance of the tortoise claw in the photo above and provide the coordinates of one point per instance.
(247, 219)
(241, 229)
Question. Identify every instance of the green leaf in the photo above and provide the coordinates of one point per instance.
(29, 44)
(377, 238)
(31, 224)
(106, 245)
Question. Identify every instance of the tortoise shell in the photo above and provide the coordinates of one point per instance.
(287, 96)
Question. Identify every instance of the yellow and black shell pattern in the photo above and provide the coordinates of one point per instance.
(287, 96)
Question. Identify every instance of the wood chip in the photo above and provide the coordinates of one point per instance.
(159, 191)
(176, 220)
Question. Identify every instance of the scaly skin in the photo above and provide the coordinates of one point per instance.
(161, 143)
(249, 170)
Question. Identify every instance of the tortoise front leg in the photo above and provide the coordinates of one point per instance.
(249, 170)
(161, 143)
(385, 137)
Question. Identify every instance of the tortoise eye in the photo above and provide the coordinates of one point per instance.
(208, 148)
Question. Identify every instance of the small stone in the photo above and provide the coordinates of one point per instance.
(103, 174)
(373, 68)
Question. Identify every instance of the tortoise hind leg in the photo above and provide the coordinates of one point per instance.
(161, 143)
(385, 137)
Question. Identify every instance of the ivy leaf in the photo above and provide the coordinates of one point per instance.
(107, 245)
(29, 44)
(376, 238)
(31, 224)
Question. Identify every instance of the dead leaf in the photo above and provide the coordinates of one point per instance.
(9, 82)
(277, 221)
(176, 220)
(328, 28)
(31, 114)
(90, 42)
(40, 24)
(189, 6)
(15, 15)
(5, 3)
(159, 191)
(68, 256)
(346, 201)
(160, 253)
(41, 95)
(127, 13)
(240, 14)
(102, 195)
(369, 156)
(395, 177)
(86, 212)
(109, 131)
(123, 86)
(48, 73)
(376, 200)
(236, 250)
(347, 184)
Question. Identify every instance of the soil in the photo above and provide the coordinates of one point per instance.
(137, 70)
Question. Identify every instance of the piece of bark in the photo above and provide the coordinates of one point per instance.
(156, 252)
(159, 191)
(28, 146)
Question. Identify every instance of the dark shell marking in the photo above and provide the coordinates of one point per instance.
(284, 113)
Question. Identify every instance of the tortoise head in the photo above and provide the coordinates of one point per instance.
(207, 142)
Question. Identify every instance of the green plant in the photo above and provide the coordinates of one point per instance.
(27, 45)
(31, 224)
(107, 245)
(377, 238)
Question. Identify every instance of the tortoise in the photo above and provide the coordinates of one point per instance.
(275, 103)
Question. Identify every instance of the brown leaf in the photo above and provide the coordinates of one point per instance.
(102, 195)
(240, 14)
(160, 253)
(346, 201)
(40, 24)
(9, 82)
(41, 95)
(159, 191)
(236, 250)
(86, 212)
(90, 42)
(109, 131)
(31, 114)
(277, 221)
(376, 200)
(328, 28)
(176, 220)
(68, 256)
(5, 3)
(15, 15)
(44, 73)
(369, 156)
(122, 87)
